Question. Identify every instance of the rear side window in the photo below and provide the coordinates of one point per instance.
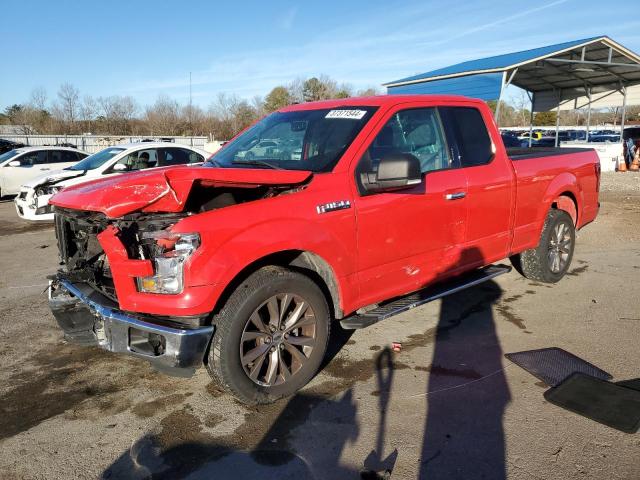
(69, 157)
(178, 156)
(473, 140)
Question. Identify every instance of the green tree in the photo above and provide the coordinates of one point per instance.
(277, 98)
(544, 119)
(13, 111)
(315, 89)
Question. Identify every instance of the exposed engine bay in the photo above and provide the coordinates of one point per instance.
(82, 257)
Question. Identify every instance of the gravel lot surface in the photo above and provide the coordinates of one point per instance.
(449, 405)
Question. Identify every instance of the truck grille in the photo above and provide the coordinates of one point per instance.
(80, 252)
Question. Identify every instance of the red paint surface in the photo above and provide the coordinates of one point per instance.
(385, 245)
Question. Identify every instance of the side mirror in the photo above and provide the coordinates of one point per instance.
(14, 163)
(120, 167)
(395, 172)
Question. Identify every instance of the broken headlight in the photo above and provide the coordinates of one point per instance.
(48, 190)
(168, 251)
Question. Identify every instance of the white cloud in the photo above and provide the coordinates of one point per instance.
(382, 46)
(285, 19)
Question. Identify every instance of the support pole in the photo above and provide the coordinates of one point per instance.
(624, 111)
(502, 87)
(558, 116)
(588, 113)
(531, 98)
(504, 74)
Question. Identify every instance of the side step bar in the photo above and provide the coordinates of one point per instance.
(426, 295)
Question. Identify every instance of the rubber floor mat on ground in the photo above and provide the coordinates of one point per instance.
(613, 405)
(553, 365)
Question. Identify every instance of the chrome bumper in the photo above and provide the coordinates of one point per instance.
(88, 318)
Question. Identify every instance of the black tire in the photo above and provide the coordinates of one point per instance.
(224, 359)
(536, 263)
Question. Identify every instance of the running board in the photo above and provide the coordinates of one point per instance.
(426, 295)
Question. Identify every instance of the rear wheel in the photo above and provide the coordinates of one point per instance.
(550, 260)
(271, 336)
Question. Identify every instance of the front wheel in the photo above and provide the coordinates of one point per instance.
(271, 336)
(550, 260)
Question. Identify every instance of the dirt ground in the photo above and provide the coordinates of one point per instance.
(449, 405)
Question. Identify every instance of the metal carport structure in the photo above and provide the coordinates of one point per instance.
(565, 75)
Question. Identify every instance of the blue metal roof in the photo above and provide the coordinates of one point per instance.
(502, 62)
(485, 86)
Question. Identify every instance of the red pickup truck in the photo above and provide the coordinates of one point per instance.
(359, 209)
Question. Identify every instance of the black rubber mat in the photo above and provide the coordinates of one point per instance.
(634, 384)
(613, 405)
(553, 365)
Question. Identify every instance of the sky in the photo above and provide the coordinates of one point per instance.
(148, 48)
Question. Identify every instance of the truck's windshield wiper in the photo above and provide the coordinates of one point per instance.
(257, 162)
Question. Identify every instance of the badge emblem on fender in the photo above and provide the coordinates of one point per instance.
(332, 206)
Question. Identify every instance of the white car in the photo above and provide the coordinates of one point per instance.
(33, 201)
(21, 165)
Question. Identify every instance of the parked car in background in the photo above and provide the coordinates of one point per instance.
(511, 141)
(21, 165)
(33, 201)
(611, 138)
(6, 145)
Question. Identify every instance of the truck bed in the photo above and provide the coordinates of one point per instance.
(539, 152)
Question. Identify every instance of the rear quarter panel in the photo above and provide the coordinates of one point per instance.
(539, 182)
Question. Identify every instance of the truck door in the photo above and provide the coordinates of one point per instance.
(409, 237)
(490, 184)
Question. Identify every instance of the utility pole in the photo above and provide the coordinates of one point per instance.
(190, 110)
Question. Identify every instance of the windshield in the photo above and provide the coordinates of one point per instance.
(303, 140)
(97, 159)
(7, 155)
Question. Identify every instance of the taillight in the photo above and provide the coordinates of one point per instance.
(597, 168)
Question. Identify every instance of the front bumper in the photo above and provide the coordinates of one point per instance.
(31, 207)
(89, 318)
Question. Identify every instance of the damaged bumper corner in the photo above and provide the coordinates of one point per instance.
(88, 318)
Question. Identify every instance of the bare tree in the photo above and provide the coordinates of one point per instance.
(163, 116)
(66, 109)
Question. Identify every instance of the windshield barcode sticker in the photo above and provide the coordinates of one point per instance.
(348, 114)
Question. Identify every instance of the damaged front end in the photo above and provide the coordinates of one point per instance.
(101, 259)
(125, 282)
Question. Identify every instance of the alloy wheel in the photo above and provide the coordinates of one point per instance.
(278, 339)
(559, 247)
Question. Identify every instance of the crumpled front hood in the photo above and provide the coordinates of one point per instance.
(164, 189)
(53, 177)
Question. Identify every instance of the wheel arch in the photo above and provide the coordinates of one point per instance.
(305, 262)
(567, 201)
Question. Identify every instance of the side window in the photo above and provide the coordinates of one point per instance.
(33, 158)
(174, 156)
(473, 140)
(69, 157)
(138, 160)
(416, 131)
(55, 156)
(80, 156)
(195, 157)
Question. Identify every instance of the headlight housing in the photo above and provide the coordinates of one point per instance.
(48, 190)
(168, 252)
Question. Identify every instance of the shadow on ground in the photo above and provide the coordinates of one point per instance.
(305, 437)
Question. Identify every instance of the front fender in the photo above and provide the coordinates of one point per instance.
(226, 261)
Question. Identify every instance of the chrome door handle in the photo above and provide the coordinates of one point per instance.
(455, 196)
